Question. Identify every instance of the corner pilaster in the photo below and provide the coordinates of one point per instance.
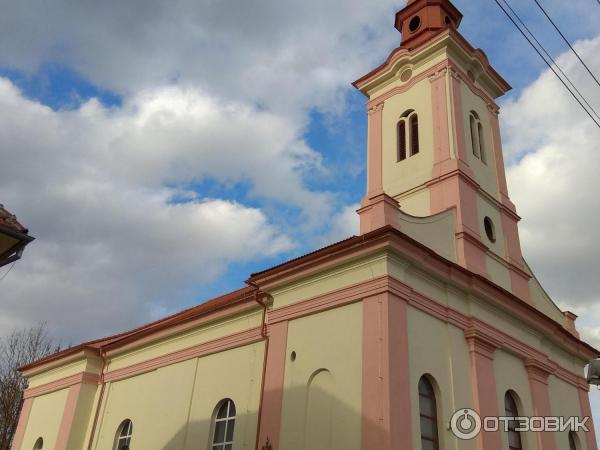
(482, 349)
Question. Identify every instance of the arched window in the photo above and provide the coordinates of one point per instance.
(223, 426)
(482, 152)
(408, 135)
(124, 433)
(428, 414)
(511, 410)
(402, 140)
(477, 137)
(39, 444)
(574, 441)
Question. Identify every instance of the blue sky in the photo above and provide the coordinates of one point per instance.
(135, 133)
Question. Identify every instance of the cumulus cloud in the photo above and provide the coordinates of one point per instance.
(552, 149)
(109, 195)
(261, 51)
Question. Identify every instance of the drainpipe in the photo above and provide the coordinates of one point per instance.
(100, 398)
(265, 335)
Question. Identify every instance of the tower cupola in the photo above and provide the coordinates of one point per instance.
(420, 20)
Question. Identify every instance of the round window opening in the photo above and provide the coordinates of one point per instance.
(489, 229)
(414, 24)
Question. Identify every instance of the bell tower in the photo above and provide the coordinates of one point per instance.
(434, 147)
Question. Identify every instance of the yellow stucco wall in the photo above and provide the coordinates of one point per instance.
(328, 348)
(442, 353)
(172, 407)
(400, 176)
(44, 419)
(190, 338)
(564, 398)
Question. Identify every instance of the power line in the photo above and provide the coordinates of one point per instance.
(549, 56)
(567, 41)
(596, 122)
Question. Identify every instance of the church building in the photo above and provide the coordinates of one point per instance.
(372, 343)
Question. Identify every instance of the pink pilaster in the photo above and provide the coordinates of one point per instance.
(483, 379)
(68, 417)
(272, 403)
(375, 151)
(586, 411)
(22, 425)
(441, 131)
(386, 410)
(538, 374)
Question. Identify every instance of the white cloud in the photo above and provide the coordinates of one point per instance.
(553, 147)
(287, 55)
(344, 224)
(105, 191)
(555, 154)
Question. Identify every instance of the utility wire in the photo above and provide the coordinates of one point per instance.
(549, 57)
(596, 122)
(567, 41)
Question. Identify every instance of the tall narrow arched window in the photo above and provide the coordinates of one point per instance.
(511, 410)
(482, 150)
(428, 415)
(574, 441)
(414, 134)
(402, 140)
(477, 137)
(223, 426)
(408, 135)
(123, 437)
(39, 444)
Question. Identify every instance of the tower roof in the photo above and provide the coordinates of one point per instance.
(420, 20)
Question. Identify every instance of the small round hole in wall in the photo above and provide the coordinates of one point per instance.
(406, 75)
(414, 24)
(490, 230)
(293, 356)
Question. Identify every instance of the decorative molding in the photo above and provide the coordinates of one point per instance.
(441, 73)
(484, 337)
(207, 348)
(539, 370)
(63, 383)
(375, 108)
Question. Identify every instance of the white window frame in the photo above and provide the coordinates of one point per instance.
(124, 434)
(229, 420)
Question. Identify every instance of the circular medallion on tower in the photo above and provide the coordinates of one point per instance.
(406, 75)
(490, 230)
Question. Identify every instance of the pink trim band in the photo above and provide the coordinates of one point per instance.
(218, 345)
(22, 426)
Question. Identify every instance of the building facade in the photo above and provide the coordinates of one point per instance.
(372, 343)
